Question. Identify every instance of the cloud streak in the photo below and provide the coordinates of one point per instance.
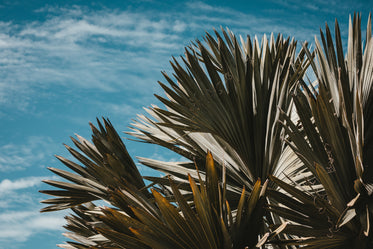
(9, 185)
(21, 192)
(18, 226)
(15, 157)
(106, 50)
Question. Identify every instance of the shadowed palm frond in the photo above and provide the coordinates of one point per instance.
(81, 226)
(333, 142)
(106, 165)
(136, 220)
(206, 222)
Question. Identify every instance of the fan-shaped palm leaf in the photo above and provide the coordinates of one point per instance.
(333, 143)
(226, 99)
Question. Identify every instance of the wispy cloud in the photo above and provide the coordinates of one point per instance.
(334, 7)
(249, 23)
(21, 192)
(107, 50)
(121, 109)
(126, 28)
(18, 226)
(7, 185)
(83, 49)
(34, 150)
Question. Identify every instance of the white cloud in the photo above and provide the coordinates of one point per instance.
(7, 185)
(21, 192)
(20, 217)
(91, 50)
(125, 110)
(13, 200)
(18, 226)
(106, 50)
(15, 157)
(127, 28)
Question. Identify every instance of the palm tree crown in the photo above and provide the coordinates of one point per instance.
(271, 161)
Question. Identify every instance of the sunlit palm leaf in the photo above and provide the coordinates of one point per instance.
(226, 99)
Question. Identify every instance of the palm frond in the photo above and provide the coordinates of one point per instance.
(206, 222)
(106, 164)
(332, 143)
(225, 98)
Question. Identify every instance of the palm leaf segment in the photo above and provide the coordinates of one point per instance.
(334, 142)
(107, 165)
(226, 99)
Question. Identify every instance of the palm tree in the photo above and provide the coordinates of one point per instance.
(238, 114)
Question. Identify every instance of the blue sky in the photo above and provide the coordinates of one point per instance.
(64, 63)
